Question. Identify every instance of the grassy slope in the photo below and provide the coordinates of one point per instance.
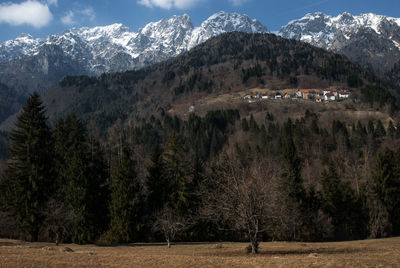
(367, 253)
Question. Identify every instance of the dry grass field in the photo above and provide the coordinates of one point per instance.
(367, 253)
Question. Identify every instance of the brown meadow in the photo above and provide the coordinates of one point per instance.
(366, 253)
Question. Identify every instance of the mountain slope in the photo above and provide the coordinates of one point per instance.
(225, 64)
(9, 102)
(114, 48)
(28, 64)
(369, 39)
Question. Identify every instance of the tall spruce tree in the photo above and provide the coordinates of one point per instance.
(99, 184)
(29, 175)
(291, 187)
(343, 207)
(176, 173)
(126, 201)
(386, 186)
(82, 179)
(157, 183)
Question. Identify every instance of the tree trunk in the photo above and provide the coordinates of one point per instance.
(34, 236)
(254, 245)
(169, 243)
(57, 238)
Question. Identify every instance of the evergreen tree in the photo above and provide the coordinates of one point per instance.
(342, 206)
(245, 125)
(391, 130)
(386, 185)
(157, 183)
(291, 177)
(253, 125)
(126, 201)
(175, 172)
(214, 144)
(380, 131)
(291, 189)
(359, 136)
(29, 177)
(371, 128)
(82, 178)
(99, 190)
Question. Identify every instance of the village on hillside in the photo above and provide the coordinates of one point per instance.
(318, 95)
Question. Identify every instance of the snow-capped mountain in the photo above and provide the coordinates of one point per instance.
(117, 48)
(24, 44)
(29, 64)
(222, 22)
(369, 39)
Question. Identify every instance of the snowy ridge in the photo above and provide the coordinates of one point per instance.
(332, 32)
(23, 45)
(116, 48)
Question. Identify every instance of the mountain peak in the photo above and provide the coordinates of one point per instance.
(347, 33)
(314, 15)
(228, 22)
(25, 36)
(116, 48)
(161, 27)
(345, 17)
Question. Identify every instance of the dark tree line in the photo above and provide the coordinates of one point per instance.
(217, 177)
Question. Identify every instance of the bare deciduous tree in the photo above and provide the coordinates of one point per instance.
(169, 223)
(241, 196)
(59, 220)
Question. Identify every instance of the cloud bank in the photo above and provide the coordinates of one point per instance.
(30, 12)
(168, 4)
(52, 2)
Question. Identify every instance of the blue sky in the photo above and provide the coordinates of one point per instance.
(43, 17)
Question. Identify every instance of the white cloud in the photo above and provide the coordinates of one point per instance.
(168, 4)
(238, 2)
(52, 2)
(89, 12)
(69, 18)
(77, 16)
(29, 12)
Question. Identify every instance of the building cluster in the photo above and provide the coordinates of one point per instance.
(319, 95)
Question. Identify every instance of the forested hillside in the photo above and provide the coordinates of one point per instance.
(226, 63)
(9, 102)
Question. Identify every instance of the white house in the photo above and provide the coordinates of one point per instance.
(326, 91)
(298, 94)
(329, 97)
(344, 94)
(247, 97)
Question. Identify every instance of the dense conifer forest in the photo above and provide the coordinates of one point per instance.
(211, 178)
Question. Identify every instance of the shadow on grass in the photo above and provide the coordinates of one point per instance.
(154, 244)
(6, 244)
(315, 251)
